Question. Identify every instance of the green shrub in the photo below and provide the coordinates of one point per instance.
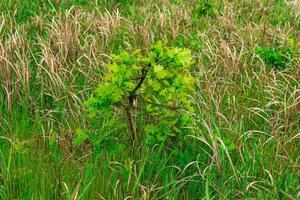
(207, 8)
(153, 90)
(274, 57)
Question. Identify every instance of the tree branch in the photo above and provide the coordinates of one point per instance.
(142, 79)
(130, 109)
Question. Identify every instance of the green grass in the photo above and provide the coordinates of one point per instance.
(245, 141)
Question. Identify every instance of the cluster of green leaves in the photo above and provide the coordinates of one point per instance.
(160, 84)
(207, 8)
(166, 92)
(120, 80)
(274, 57)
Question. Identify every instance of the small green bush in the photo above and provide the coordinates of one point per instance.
(274, 57)
(154, 90)
(207, 8)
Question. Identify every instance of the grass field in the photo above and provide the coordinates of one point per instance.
(243, 142)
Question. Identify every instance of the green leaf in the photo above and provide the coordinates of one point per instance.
(156, 86)
(157, 68)
(162, 74)
(114, 67)
(79, 137)
(52, 139)
(150, 129)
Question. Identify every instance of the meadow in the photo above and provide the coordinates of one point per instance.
(237, 67)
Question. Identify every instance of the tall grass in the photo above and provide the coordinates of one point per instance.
(247, 118)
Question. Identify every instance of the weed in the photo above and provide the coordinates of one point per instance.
(207, 8)
(274, 57)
